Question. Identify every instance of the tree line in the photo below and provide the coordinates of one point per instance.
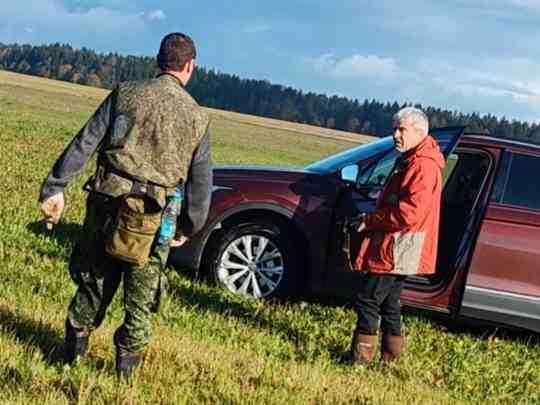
(257, 97)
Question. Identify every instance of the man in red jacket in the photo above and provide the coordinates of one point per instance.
(400, 237)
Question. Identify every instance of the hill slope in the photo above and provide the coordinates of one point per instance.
(208, 347)
(93, 95)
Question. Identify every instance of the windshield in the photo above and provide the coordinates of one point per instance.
(350, 156)
(445, 137)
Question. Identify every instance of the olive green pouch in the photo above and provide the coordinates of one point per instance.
(135, 228)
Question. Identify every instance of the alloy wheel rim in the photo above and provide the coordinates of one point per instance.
(251, 265)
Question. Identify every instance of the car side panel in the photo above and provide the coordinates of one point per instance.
(189, 254)
(307, 202)
(507, 256)
(503, 283)
(446, 295)
(501, 307)
(311, 204)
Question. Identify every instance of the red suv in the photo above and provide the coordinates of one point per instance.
(279, 232)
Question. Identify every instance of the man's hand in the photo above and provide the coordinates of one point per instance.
(362, 224)
(52, 209)
(179, 242)
(361, 227)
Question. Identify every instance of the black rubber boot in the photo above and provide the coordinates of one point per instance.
(126, 363)
(75, 344)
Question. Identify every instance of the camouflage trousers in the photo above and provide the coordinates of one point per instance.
(98, 277)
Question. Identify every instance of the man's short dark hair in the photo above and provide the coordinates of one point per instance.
(175, 51)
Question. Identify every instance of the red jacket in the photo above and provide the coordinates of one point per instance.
(402, 233)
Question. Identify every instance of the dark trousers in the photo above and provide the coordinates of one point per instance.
(98, 277)
(378, 296)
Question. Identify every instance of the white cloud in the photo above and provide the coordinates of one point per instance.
(488, 86)
(355, 66)
(256, 28)
(52, 19)
(155, 15)
(526, 4)
(509, 87)
(502, 8)
(516, 77)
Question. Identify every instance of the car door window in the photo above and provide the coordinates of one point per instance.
(519, 181)
(449, 167)
(378, 173)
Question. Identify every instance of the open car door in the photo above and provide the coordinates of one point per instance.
(361, 198)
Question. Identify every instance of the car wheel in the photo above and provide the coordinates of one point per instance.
(256, 260)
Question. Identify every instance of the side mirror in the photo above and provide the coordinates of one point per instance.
(350, 173)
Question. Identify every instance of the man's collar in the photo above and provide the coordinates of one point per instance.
(410, 152)
(171, 75)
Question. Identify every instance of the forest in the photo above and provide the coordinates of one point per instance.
(258, 97)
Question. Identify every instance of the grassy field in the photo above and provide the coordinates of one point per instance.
(208, 346)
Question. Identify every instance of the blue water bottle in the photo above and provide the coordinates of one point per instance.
(173, 205)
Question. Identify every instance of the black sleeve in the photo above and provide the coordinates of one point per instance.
(197, 191)
(71, 162)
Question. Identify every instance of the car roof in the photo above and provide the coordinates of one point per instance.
(500, 142)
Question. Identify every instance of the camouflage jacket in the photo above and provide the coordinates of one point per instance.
(151, 131)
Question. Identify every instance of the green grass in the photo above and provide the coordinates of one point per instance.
(208, 346)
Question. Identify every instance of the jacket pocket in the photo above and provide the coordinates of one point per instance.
(377, 252)
(135, 228)
(407, 252)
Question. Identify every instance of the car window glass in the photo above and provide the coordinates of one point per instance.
(379, 172)
(449, 167)
(351, 156)
(520, 187)
(447, 138)
(501, 178)
(468, 171)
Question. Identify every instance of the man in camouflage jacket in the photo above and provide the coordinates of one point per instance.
(149, 136)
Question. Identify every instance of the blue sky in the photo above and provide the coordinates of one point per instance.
(465, 55)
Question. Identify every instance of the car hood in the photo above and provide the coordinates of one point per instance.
(263, 172)
(262, 181)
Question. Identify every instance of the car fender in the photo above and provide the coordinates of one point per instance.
(191, 254)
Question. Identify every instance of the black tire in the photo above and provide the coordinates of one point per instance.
(266, 272)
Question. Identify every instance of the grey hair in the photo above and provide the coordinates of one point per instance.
(418, 117)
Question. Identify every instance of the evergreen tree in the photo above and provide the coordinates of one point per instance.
(258, 97)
